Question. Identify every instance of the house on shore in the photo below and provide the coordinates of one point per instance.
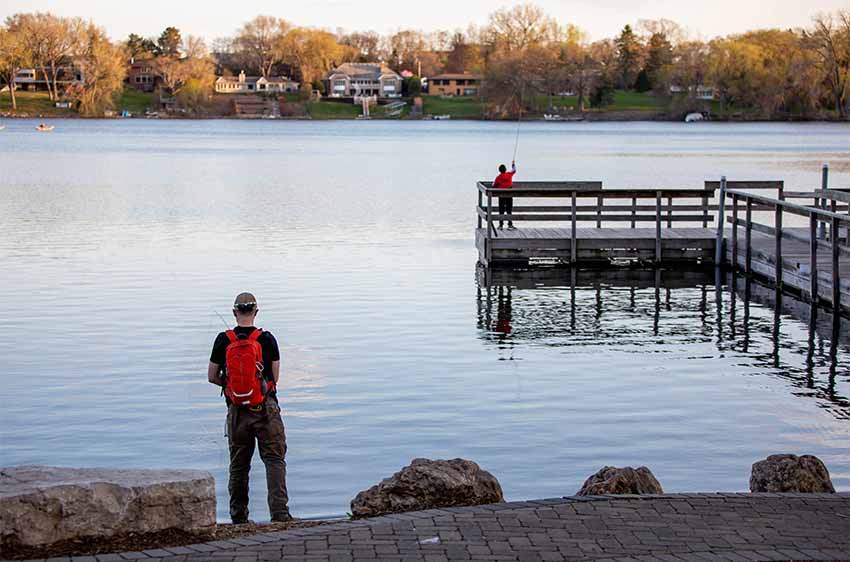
(254, 84)
(142, 75)
(700, 92)
(32, 79)
(364, 79)
(450, 84)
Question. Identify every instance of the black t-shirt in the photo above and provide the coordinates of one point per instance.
(266, 340)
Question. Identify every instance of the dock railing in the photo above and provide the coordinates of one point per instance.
(829, 221)
(589, 202)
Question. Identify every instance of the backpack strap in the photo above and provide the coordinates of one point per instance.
(231, 335)
(255, 334)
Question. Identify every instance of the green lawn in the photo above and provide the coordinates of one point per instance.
(623, 101)
(332, 110)
(33, 103)
(465, 107)
(340, 110)
(634, 100)
(135, 102)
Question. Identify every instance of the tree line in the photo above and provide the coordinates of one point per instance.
(527, 59)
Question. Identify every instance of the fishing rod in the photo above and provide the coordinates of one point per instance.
(220, 317)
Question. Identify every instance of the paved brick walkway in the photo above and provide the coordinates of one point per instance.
(699, 527)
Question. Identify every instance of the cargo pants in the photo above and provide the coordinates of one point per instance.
(262, 425)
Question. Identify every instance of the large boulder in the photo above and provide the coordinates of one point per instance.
(427, 484)
(40, 505)
(790, 473)
(628, 480)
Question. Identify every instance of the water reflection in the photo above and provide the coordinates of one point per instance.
(776, 334)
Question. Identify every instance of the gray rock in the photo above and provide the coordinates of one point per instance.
(40, 505)
(790, 473)
(428, 484)
(628, 480)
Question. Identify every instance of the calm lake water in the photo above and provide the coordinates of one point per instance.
(121, 241)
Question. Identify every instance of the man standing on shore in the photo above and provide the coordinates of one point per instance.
(505, 180)
(245, 361)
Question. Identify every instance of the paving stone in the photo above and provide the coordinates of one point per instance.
(694, 527)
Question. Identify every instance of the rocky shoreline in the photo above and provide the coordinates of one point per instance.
(48, 511)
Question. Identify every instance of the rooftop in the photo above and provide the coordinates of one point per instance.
(364, 70)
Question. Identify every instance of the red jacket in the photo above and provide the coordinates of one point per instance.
(505, 180)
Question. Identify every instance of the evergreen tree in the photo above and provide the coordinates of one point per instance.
(138, 45)
(169, 42)
(659, 54)
(643, 83)
(628, 57)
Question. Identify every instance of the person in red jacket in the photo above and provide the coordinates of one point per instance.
(505, 180)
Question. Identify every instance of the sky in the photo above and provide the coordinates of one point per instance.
(600, 18)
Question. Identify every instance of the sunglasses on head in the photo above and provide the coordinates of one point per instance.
(245, 307)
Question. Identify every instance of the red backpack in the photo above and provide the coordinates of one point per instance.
(246, 385)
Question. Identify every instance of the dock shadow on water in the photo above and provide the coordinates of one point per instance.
(647, 311)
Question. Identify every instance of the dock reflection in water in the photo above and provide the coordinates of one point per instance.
(770, 334)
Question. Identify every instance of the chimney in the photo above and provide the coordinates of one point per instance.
(241, 76)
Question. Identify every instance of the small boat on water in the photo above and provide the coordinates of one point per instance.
(2, 127)
(694, 117)
(44, 128)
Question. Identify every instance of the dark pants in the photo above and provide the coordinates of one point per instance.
(506, 207)
(266, 428)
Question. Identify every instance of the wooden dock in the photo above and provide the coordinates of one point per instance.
(812, 262)
(680, 220)
(685, 226)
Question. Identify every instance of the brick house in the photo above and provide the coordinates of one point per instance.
(142, 76)
(454, 84)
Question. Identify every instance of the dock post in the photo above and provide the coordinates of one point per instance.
(480, 202)
(657, 227)
(824, 185)
(599, 202)
(836, 281)
(721, 211)
(734, 232)
(748, 237)
(813, 257)
(573, 249)
(634, 210)
(834, 229)
(490, 228)
(778, 225)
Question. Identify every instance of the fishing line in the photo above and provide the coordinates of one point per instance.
(518, 122)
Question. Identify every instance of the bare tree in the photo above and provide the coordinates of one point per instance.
(313, 52)
(51, 40)
(523, 26)
(103, 67)
(259, 39)
(830, 40)
(14, 55)
(669, 29)
(367, 44)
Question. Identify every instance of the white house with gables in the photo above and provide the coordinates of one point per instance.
(363, 79)
(254, 84)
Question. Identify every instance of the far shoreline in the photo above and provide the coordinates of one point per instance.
(589, 118)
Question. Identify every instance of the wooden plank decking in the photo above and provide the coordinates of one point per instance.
(796, 264)
(594, 245)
